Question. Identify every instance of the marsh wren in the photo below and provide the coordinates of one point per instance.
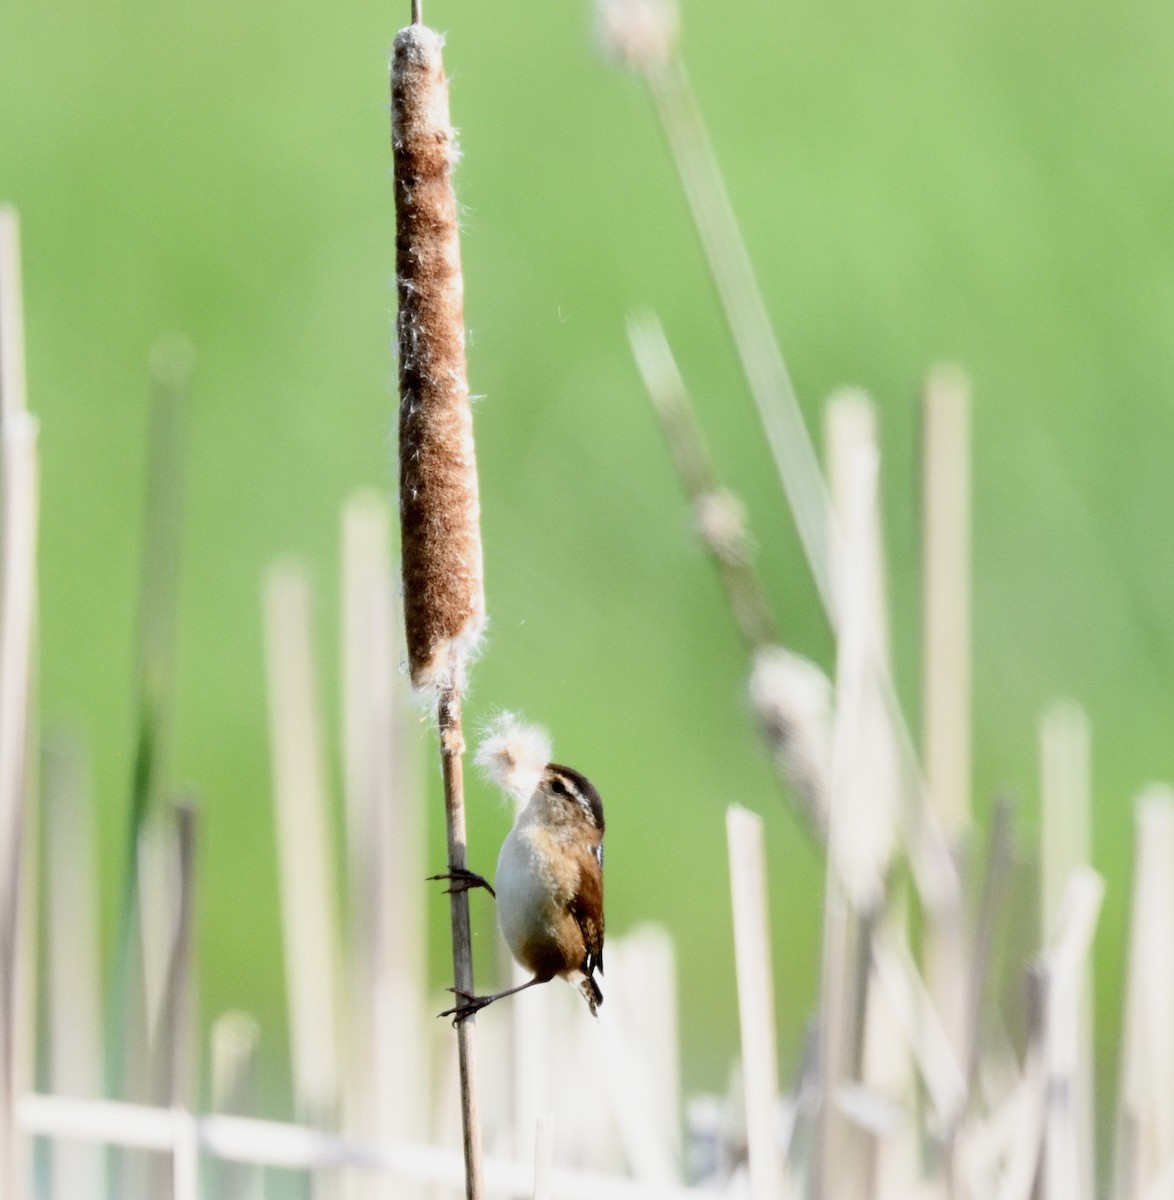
(549, 886)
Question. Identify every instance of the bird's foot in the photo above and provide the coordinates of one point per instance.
(461, 880)
(470, 1005)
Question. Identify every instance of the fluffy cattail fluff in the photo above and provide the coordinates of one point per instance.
(444, 605)
(513, 754)
(792, 699)
(640, 34)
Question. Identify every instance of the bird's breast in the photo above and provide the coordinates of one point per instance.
(535, 881)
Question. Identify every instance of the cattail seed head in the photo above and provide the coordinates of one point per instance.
(639, 34)
(444, 604)
(792, 699)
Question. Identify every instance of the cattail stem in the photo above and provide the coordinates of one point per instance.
(452, 745)
(444, 604)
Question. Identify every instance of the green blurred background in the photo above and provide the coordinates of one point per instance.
(989, 183)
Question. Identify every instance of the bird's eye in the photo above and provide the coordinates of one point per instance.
(558, 787)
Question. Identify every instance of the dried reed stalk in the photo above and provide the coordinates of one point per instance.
(790, 696)
(888, 1080)
(444, 606)
(300, 1148)
(992, 906)
(172, 1034)
(642, 35)
(171, 368)
(640, 1053)
(185, 1158)
(917, 1022)
(19, 474)
(864, 793)
(589, 1086)
(647, 967)
(866, 768)
(1066, 793)
(18, 1007)
(1068, 975)
(838, 1151)
(157, 865)
(171, 371)
(946, 669)
(306, 860)
(74, 1000)
(752, 960)
(172, 1038)
(1145, 1104)
(1021, 1167)
(385, 851)
(234, 1053)
(745, 310)
(543, 1154)
(12, 368)
(166, 868)
(946, 598)
(718, 518)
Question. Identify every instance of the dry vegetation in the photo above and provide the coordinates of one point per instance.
(919, 1079)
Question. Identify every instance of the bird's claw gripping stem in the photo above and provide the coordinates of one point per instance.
(470, 1006)
(461, 880)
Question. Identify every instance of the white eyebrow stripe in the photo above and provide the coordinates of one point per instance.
(598, 852)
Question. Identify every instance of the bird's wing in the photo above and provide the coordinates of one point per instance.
(587, 907)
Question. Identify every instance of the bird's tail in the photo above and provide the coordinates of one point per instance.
(591, 992)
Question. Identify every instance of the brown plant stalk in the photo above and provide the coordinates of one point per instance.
(444, 606)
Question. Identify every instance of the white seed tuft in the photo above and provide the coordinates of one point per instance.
(513, 755)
